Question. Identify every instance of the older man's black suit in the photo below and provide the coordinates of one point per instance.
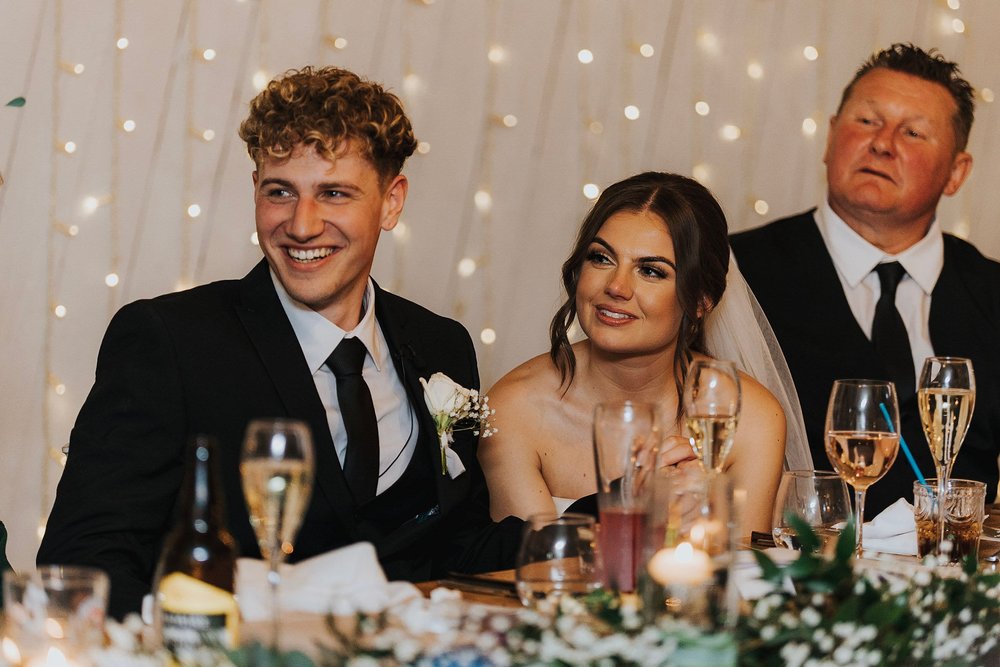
(790, 271)
(207, 361)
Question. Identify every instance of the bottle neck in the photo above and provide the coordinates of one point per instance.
(201, 496)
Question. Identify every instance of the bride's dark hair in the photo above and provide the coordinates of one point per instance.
(698, 229)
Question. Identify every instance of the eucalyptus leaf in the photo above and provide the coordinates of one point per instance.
(808, 541)
(846, 543)
(16, 102)
(769, 570)
(804, 566)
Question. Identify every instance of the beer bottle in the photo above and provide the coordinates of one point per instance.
(195, 578)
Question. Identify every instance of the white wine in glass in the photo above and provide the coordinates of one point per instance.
(276, 465)
(712, 396)
(862, 421)
(946, 397)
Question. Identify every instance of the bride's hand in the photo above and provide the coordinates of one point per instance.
(676, 449)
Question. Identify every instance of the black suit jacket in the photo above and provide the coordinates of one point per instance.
(207, 361)
(790, 271)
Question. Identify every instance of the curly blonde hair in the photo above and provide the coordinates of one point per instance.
(325, 107)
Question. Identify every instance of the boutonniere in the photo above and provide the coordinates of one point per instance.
(455, 408)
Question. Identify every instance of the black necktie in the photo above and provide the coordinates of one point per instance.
(889, 333)
(358, 412)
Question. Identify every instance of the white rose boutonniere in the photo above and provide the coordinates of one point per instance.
(455, 408)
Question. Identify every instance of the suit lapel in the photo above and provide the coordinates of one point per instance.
(272, 335)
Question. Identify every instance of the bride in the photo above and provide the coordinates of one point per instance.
(645, 282)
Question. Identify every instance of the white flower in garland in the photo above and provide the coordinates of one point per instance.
(455, 408)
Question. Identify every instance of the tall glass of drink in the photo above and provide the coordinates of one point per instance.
(712, 397)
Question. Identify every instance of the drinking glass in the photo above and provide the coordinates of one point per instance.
(626, 443)
(711, 409)
(818, 497)
(946, 396)
(276, 465)
(964, 503)
(557, 559)
(861, 440)
(54, 615)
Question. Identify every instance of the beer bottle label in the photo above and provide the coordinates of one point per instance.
(196, 615)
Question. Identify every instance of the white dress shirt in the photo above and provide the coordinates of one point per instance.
(397, 422)
(856, 259)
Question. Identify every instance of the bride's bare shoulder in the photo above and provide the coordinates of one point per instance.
(534, 380)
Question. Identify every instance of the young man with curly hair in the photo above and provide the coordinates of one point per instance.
(328, 148)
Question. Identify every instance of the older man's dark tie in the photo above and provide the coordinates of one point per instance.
(358, 412)
(889, 332)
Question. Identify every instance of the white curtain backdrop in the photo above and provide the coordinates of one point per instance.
(516, 123)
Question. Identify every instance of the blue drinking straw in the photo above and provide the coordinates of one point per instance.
(906, 450)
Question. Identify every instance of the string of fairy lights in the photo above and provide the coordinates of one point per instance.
(472, 274)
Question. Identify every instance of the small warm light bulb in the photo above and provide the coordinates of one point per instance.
(631, 112)
(208, 55)
(954, 4)
(986, 94)
(961, 229)
(260, 80)
(701, 108)
(253, 239)
(484, 201)
(90, 204)
(760, 207)
(339, 43)
(69, 147)
(595, 127)
(810, 53)
(488, 336)
(72, 230)
(111, 279)
(510, 120)
(958, 25)
(78, 68)
(646, 50)
(708, 41)
(497, 54)
(208, 135)
(701, 172)
(122, 43)
(585, 56)
(466, 267)
(730, 132)
(591, 191)
(193, 211)
(59, 311)
(423, 147)
(808, 127)
(60, 389)
(128, 125)
(411, 84)
(755, 70)
(401, 232)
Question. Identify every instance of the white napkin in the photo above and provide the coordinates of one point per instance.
(342, 581)
(893, 531)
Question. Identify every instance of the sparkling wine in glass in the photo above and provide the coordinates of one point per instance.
(276, 465)
(860, 441)
(711, 409)
(946, 397)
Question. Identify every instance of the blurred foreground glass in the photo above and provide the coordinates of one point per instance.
(626, 443)
(862, 419)
(818, 497)
(964, 510)
(557, 558)
(712, 397)
(690, 540)
(54, 615)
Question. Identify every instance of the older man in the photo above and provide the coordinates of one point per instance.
(306, 334)
(866, 285)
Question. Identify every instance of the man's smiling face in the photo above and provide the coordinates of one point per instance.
(318, 223)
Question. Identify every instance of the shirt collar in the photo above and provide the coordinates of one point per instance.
(855, 257)
(318, 336)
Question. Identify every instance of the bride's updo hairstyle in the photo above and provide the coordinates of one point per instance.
(698, 229)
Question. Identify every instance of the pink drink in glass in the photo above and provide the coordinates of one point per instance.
(620, 538)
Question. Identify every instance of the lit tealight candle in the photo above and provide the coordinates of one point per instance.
(681, 565)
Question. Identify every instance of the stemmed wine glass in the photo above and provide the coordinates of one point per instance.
(276, 465)
(712, 397)
(862, 421)
(946, 395)
(819, 498)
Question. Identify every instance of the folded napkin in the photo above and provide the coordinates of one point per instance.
(342, 581)
(893, 531)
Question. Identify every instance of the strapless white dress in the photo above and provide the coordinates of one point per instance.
(562, 504)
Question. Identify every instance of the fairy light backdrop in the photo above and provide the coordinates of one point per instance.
(124, 177)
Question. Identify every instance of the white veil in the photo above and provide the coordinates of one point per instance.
(737, 330)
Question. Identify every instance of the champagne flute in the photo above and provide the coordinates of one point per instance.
(862, 421)
(712, 398)
(946, 396)
(276, 465)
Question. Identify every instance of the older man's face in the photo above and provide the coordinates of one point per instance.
(891, 152)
